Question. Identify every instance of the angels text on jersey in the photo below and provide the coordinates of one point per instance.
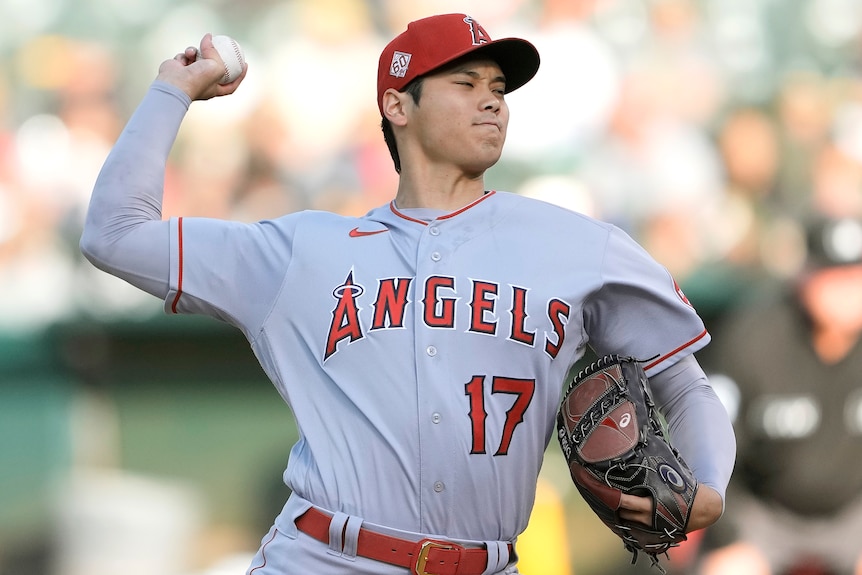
(441, 305)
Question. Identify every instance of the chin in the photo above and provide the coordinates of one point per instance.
(489, 158)
(480, 168)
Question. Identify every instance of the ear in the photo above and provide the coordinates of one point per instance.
(394, 103)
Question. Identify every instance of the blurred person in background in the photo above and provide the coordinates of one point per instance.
(742, 218)
(791, 363)
(804, 113)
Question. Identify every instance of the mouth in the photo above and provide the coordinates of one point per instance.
(490, 124)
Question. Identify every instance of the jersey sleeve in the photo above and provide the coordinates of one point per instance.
(228, 270)
(639, 310)
(232, 271)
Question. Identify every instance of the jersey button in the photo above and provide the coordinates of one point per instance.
(431, 350)
(436, 418)
(436, 256)
(439, 486)
(434, 231)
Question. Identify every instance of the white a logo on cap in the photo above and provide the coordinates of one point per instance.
(476, 30)
(400, 63)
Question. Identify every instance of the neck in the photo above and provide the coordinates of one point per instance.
(441, 190)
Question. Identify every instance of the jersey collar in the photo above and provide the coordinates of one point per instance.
(472, 204)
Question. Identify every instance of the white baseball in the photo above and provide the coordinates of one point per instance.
(231, 54)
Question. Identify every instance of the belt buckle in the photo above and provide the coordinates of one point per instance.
(422, 557)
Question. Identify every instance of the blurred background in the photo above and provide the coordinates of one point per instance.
(136, 443)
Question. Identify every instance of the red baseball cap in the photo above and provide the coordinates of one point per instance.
(431, 42)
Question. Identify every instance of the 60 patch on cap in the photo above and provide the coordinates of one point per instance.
(432, 42)
(400, 64)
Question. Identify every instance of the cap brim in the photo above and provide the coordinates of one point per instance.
(517, 58)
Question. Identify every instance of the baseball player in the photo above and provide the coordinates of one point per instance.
(422, 348)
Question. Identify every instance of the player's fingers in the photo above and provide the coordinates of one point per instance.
(635, 503)
(187, 56)
(636, 517)
(634, 508)
(225, 89)
(214, 63)
(198, 71)
(207, 49)
(170, 64)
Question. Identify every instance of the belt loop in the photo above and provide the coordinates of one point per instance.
(498, 557)
(336, 533)
(351, 537)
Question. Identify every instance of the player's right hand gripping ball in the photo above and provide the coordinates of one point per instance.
(612, 437)
(231, 54)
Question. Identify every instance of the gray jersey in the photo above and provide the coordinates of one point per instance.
(422, 353)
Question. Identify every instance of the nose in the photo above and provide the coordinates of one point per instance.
(491, 102)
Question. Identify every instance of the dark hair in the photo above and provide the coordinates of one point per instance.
(414, 88)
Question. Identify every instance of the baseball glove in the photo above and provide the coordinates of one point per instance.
(611, 435)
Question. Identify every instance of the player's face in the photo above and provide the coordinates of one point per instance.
(462, 116)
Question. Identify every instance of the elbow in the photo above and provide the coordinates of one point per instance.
(102, 238)
(89, 247)
(94, 247)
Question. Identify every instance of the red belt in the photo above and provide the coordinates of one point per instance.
(425, 557)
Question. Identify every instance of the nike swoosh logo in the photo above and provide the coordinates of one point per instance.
(357, 233)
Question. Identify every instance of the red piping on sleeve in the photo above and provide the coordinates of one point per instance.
(677, 350)
(179, 265)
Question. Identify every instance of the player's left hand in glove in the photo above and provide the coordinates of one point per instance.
(611, 435)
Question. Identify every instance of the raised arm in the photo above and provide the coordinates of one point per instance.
(124, 234)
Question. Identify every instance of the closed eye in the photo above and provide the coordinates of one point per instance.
(468, 78)
(500, 90)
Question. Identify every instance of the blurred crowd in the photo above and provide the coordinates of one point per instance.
(705, 128)
(708, 129)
